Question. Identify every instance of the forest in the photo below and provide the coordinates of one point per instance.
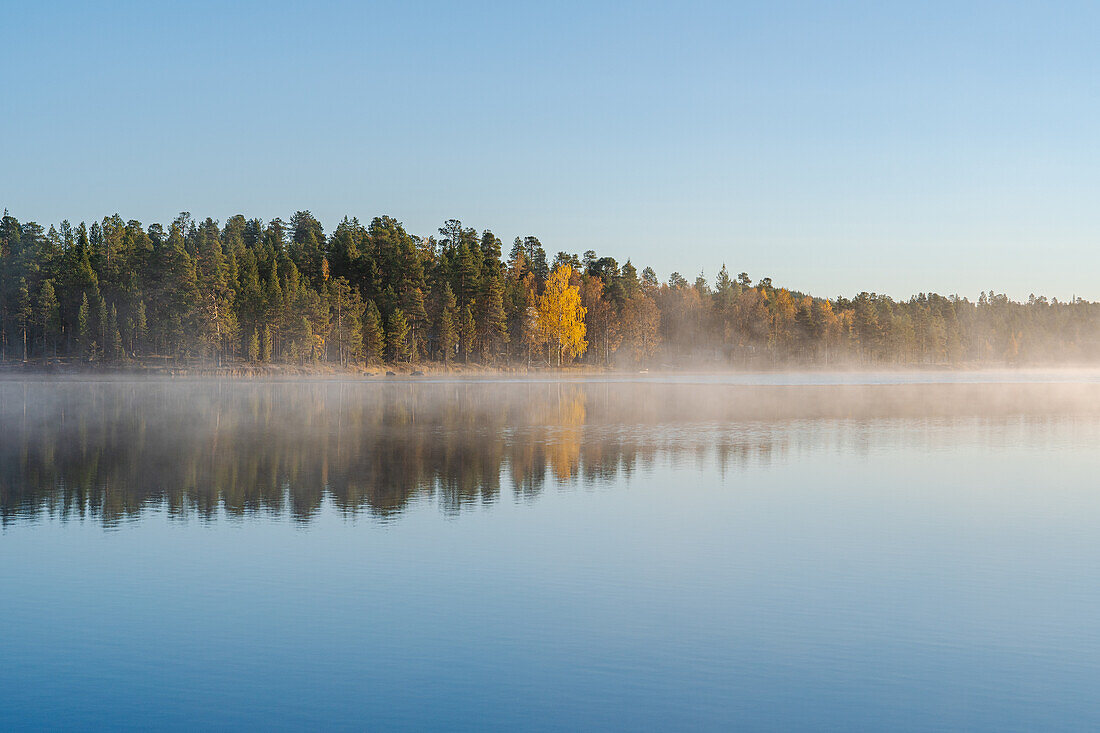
(285, 292)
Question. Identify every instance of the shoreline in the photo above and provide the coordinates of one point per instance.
(322, 371)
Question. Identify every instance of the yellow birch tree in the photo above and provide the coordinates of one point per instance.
(560, 317)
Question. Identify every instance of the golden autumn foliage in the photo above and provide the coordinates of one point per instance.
(559, 317)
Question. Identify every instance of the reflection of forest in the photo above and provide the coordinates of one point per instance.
(110, 449)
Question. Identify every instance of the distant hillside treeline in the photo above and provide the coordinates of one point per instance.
(287, 292)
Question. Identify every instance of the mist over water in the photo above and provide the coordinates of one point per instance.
(912, 550)
(108, 450)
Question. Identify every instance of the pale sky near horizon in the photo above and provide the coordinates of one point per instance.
(833, 146)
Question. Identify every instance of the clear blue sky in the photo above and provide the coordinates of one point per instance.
(834, 146)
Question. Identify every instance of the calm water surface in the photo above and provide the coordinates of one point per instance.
(704, 554)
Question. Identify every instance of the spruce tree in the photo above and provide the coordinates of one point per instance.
(48, 317)
(254, 347)
(397, 336)
(266, 348)
(374, 338)
(101, 326)
(25, 311)
(140, 331)
(494, 327)
(448, 336)
(467, 331)
(114, 343)
(83, 329)
(412, 305)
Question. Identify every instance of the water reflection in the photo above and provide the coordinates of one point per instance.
(111, 450)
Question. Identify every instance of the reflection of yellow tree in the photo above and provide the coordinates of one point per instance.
(560, 316)
(554, 439)
(564, 445)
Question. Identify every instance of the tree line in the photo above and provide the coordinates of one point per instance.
(287, 292)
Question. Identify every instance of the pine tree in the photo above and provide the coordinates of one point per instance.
(215, 296)
(347, 316)
(307, 248)
(468, 273)
(173, 294)
(536, 257)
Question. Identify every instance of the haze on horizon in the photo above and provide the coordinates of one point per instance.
(837, 148)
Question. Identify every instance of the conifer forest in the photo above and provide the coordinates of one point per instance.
(287, 292)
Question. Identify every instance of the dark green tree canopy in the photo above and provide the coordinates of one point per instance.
(114, 290)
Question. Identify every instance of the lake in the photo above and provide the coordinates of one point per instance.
(890, 551)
